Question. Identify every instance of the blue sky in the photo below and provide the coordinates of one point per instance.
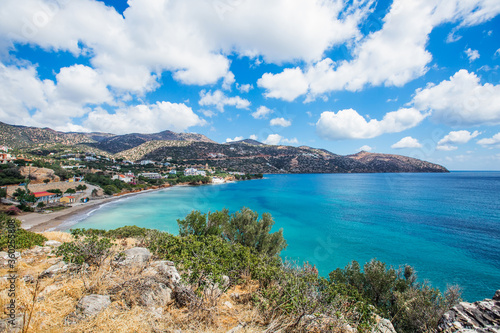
(411, 77)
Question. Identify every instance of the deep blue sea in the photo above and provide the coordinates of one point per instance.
(447, 226)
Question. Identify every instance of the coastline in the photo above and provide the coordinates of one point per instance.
(37, 222)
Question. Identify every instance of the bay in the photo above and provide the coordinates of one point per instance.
(447, 226)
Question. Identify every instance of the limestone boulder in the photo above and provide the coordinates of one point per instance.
(482, 316)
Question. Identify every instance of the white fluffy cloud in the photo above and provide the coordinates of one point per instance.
(280, 122)
(348, 124)
(27, 100)
(262, 112)
(287, 85)
(83, 85)
(238, 138)
(488, 142)
(391, 56)
(244, 88)
(188, 38)
(446, 147)
(365, 148)
(275, 139)
(253, 137)
(472, 54)
(461, 100)
(407, 142)
(144, 119)
(228, 81)
(458, 137)
(219, 100)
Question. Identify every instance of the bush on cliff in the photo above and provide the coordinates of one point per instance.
(243, 227)
(23, 239)
(92, 250)
(412, 306)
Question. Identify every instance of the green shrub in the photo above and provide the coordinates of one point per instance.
(412, 306)
(208, 258)
(119, 233)
(242, 227)
(24, 239)
(92, 250)
(298, 299)
(199, 224)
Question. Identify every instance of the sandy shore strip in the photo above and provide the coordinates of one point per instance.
(40, 222)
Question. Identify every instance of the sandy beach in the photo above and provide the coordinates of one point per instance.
(40, 222)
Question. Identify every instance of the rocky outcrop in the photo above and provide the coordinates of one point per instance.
(88, 306)
(134, 256)
(383, 326)
(482, 317)
(59, 268)
(38, 175)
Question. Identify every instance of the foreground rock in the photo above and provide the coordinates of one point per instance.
(482, 316)
(88, 306)
(383, 326)
(134, 256)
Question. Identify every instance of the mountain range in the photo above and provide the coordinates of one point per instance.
(191, 148)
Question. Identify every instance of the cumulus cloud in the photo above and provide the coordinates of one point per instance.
(275, 139)
(472, 54)
(407, 142)
(228, 81)
(488, 142)
(144, 119)
(27, 100)
(253, 137)
(220, 100)
(287, 85)
(280, 122)
(446, 147)
(82, 85)
(461, 100)
(458, 137)
(189, 39)
(238, 138)
(365, 148)
(244, 88)
(262, 112)
(391, 56)
(349, 124)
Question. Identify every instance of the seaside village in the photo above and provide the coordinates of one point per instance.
(51, 180)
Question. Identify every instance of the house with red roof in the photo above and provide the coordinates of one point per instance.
(45, 197)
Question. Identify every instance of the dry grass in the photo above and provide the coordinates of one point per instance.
(56, 298)
(58, 236)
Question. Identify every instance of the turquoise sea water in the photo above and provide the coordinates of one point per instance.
(445, 225)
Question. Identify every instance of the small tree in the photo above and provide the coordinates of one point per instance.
(245, 228)
(24, 196)
(81, 187)
(3, 192)
(70, 191)
(46, 180)
(94, 192)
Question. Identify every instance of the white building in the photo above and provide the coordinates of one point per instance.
(146, 162)
(194, 172)
(150, 175)
(190, 172)
(123, 178)
(173, 172)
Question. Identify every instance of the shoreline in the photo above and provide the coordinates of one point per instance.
(37, 222)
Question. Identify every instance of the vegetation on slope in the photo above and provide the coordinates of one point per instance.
(289, 297)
